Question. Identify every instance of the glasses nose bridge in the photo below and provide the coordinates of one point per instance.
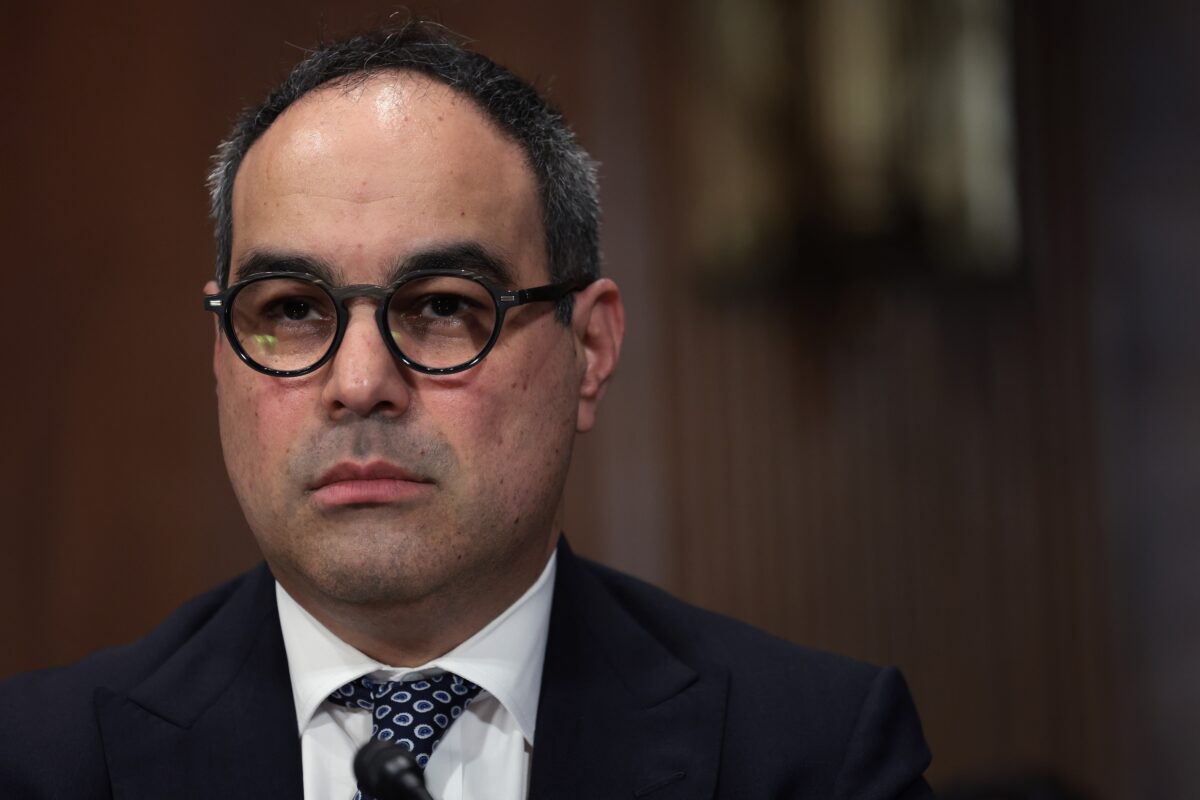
(344, 294)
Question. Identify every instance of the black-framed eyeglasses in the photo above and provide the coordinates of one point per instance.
(437, 321)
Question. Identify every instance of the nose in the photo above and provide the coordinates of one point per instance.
(364, 378)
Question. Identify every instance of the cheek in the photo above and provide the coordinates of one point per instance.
(515, 424)
(259, 419)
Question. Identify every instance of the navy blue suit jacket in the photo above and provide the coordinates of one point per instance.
(642, 696)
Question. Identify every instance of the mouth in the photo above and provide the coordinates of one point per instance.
(374, 483)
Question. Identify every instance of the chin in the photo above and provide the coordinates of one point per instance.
(375, 589)
(383, 571)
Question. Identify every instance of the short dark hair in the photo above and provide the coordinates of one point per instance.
(565, 173)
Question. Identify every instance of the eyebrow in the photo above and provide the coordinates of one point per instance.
(470, 256)
(260, 261)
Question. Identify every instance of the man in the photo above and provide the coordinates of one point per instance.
(411, 330)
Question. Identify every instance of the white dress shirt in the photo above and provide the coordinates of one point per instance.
(487, 752)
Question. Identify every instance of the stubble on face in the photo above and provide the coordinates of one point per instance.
(479, 516)
(361, 555)
(477, 524)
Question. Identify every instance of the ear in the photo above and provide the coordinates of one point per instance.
(598, 321)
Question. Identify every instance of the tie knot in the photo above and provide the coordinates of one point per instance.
(414, 714)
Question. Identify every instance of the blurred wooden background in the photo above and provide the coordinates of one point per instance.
(989, 483)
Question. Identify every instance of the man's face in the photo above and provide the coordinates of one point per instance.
(364, 482)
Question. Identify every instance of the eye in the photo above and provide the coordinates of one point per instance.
(442, 305)
(286, 305)
(445, 305)
(295, 308)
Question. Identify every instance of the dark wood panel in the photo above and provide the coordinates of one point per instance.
(903, 472)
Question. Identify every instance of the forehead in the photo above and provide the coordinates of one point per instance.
(365, 174)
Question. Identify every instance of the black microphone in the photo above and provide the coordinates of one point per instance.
(387, 771)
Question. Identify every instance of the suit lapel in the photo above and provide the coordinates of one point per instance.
(217, 718)
(620, 715)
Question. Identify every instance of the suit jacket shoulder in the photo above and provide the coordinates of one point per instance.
(164, 716)
(714, 707)
(642, 695)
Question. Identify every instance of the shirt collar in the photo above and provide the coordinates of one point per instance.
(505, 657)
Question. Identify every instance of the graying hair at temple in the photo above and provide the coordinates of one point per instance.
(565, 173)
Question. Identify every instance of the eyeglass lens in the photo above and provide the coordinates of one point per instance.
(289, 324)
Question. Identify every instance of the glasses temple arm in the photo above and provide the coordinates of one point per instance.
(552, 291)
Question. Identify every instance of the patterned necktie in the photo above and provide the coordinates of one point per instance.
(413, 714)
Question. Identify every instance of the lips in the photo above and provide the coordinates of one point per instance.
(376, 483)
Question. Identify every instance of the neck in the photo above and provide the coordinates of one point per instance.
(412, 632)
